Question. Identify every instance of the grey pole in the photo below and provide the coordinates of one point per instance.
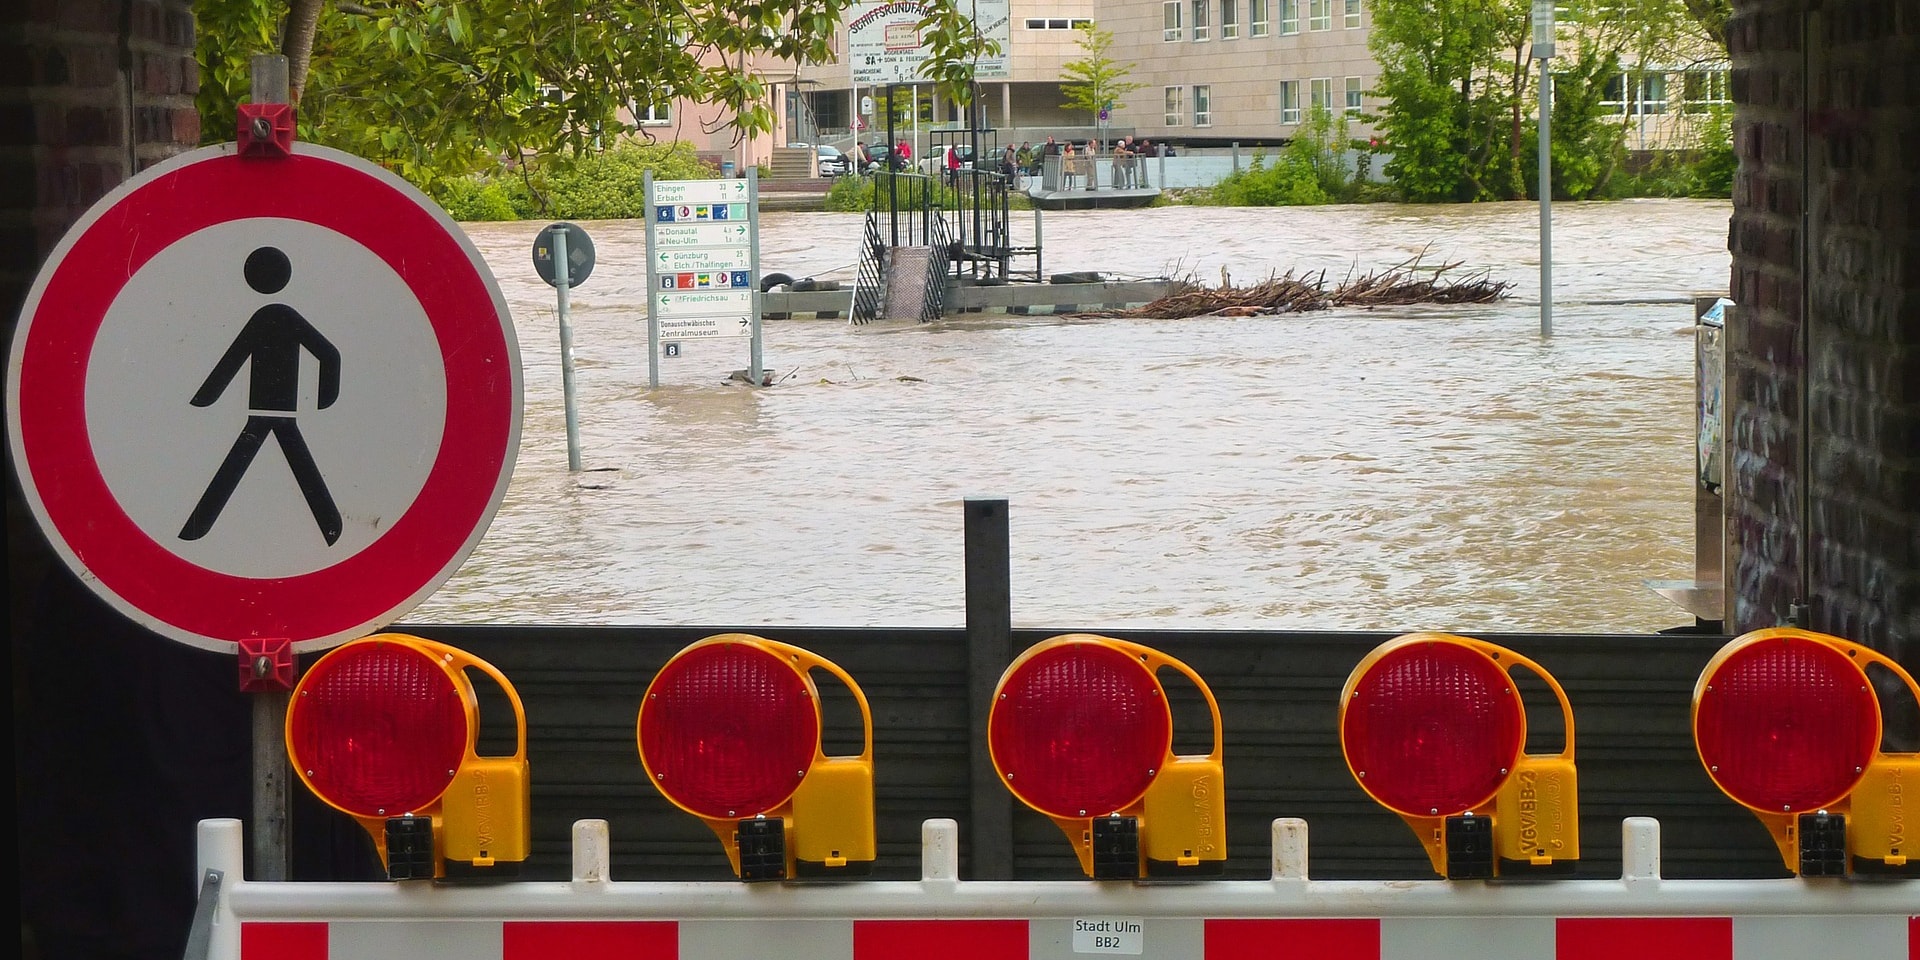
(561, 294)
(753, 274)
(989, 650)
(653, 314)
(1543, 51)
(272, 827)
(1546, 199)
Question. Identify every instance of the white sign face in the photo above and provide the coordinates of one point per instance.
(700, 191)
(1121, 935)
(705, 328)
(711, 303)
(264, 398)
(709, 258)
(884, 43)
(156, 425)
(701, 234)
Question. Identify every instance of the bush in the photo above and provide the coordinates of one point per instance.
(610, 185)
(471, 199)
(602, 186)
(1312, 169)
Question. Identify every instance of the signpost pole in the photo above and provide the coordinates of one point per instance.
(753, 275)
(561, 284)
(272, 832)
(1543, 51)
(653, 312)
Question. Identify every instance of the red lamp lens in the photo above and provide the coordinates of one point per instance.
(378, 728)
(1786, 724)
(1079, 730)
(728, 730)
(1432, 729)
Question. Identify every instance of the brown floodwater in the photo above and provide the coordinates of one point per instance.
(1395, 469)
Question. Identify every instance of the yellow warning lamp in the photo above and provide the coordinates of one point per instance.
(1788, 726)
(1080, 731)
(730, 732)
(1434, 730)
(384, 729)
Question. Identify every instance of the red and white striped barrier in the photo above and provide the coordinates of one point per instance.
(1637, 917)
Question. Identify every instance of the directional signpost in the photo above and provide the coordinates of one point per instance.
(703, 266)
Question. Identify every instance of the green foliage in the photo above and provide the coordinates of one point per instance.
(1446, 90)
(1095, 81)
(1589, 144)
(470, 199)
(604, 186)
(850, 194)
(436, 90)
(1312, 169)
(1704, 170)
(1459, 104)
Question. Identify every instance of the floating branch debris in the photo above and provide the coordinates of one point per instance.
(1411, 282)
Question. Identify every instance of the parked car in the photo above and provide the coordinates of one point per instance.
(833, 163)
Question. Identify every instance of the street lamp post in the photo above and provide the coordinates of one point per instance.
(1543, 52)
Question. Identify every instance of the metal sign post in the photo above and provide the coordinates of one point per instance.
(1543, 51)
(563, 257)
(560, 293)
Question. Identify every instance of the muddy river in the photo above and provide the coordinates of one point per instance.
(1401, 468)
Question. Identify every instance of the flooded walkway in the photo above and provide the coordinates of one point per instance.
(1396, 468)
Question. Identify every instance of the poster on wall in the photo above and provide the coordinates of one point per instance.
(884, 43)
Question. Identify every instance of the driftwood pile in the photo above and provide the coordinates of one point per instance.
(1407, 283)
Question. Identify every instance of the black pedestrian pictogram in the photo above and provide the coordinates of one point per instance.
(271, 341)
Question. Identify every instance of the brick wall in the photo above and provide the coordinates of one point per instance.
(1824, 378)
(90, 91)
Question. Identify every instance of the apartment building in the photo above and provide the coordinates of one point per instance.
(1212, 72)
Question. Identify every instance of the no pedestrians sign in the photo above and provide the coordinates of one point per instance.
(264, 398)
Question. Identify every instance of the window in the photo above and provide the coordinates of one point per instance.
(1289, 101)
(1059, 23)
(1319, 14)
(648, 115)
(1289, 17)
(1703, 90)
(1353, 96)
(1229, 19)
(1257, 17)
(1203, 106)
(1200, 19)
(1627, 96)
(1322, 91)
(1351, 13)
(1170, 20)
(1176, 106)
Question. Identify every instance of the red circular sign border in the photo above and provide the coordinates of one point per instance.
(63, 315)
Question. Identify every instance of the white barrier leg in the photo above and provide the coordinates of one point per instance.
(940, 852)
(1290, 849)
(221, 846)
(1640, 851)
(591, 862)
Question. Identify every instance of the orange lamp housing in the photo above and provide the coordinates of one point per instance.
(384, 729)
(1788, 725)
(729, 731)
(1080, 731)
(1434, 730)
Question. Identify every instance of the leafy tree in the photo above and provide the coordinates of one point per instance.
(1095, 82)
(1442, 105)
(435, 89)
(1456, 77)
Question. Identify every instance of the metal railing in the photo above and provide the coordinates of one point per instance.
(868, 286)
(933, 303)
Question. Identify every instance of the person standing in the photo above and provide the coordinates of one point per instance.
(1025, 158)
(1123, 163)
(1069, 165)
